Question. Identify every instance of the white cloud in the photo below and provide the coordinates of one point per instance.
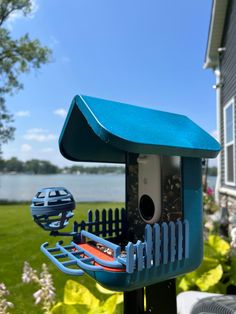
(61, 112)
(23, 113)
(212, 162)
(39, 135)
(18, 14)
(47, 150)
(37, 130)
(34, 8)
(25, 148)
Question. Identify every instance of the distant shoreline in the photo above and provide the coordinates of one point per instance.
(109, 187)
(45, 167)
(36, 166)
(58, 174)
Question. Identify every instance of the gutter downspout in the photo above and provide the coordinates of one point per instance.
(218, 87)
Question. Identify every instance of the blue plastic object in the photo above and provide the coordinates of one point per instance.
(168, 248)
(52, 208)
(99, 130)
(104, 131)
(132, 267)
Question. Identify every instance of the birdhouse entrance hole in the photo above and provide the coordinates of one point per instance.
(146, 207)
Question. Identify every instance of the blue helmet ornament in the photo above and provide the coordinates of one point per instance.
(52, 208)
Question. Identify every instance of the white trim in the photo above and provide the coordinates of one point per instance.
(218, 123)
(226, 145)
(228, 191)
(218, 15)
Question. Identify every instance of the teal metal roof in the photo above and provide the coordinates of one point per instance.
(104, 131)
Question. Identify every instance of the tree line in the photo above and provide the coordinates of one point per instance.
(212, 171)
(36, 166)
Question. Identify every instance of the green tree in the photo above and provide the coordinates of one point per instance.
(17, 56)
(36, 166)
(212, 171)
(46, 167)
(14, 165)
(2, 164)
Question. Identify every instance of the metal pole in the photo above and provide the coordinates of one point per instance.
(134, 302)
(161, 298)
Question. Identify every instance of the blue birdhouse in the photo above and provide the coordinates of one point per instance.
(159, 233)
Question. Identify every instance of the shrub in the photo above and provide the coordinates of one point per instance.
(217, 272)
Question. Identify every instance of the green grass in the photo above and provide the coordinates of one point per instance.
(20, 239)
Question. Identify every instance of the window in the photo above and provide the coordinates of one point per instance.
(229, 143)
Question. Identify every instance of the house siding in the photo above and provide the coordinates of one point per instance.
(228, 71)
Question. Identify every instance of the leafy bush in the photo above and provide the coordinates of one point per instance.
(217, 272)
(77, 298)
(80, 300)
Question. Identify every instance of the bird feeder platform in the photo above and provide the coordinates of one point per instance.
(119, 265)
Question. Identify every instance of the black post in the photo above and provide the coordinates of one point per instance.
(134, 302)
(161, 298)
(135, 224)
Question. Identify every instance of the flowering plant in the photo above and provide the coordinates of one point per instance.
(46, 294)
(4, 304)
(209, 204)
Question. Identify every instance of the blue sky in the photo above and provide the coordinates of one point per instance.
(148, 53)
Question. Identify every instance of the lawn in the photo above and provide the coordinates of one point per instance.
(20, 239)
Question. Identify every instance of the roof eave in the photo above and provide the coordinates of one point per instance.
(218, 14)
(99, 143)
(211, 64)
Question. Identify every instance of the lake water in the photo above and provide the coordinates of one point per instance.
(85, 188)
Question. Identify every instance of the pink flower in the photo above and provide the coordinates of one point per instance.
(210, 191)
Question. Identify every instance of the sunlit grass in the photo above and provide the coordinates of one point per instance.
(20, 240)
